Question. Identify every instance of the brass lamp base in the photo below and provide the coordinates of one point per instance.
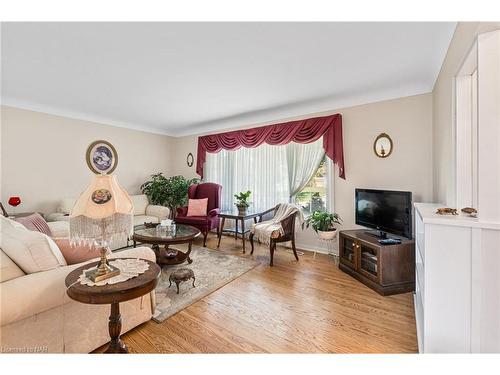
(103, 271)
(97, 275)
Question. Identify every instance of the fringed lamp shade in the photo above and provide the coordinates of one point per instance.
(102, 214)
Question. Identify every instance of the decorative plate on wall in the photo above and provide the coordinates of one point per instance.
(102, 157)
(383, 145)
(190, 160)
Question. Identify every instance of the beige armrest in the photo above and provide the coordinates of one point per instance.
(160, 212)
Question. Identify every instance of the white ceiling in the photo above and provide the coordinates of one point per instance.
(187, 78)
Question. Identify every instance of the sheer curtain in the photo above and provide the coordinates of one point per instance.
(303, 161)
(272, 173)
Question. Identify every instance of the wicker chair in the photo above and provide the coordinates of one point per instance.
(288, 225)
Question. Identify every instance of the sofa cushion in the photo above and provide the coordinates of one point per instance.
(59, 229)
(140, 202)
(66, 205)
(78, 253)
(31, 251)
(8, 269)
(141, 219)
(35, 222)
(197, 207)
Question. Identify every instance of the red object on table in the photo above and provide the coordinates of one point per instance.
(14, 201)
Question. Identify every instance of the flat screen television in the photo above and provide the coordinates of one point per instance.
(384, 210)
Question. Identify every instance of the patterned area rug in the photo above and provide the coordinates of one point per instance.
(212, 270)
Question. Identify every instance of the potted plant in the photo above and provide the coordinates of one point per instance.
(171, 192)
(323, 223)
(242, 201)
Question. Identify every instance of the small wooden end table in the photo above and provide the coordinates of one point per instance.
(113, 294)
(237, 217)
(184, 234)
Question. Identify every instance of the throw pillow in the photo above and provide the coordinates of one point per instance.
(76, 254)
(35, 222)
(31, 251)
(197, 207)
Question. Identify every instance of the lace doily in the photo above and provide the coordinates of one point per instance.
(129, 268)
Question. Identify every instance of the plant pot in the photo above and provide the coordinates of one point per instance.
(327, 235)
(242, 210)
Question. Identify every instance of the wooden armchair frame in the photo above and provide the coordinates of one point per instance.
(288, 225)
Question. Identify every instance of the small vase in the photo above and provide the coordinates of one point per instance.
(242, 210)
(327, 235)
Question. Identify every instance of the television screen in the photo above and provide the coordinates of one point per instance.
(384, 210)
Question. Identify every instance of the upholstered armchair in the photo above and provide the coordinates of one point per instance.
(211, 219)
(280, 227)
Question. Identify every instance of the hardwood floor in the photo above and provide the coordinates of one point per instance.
(308, 306)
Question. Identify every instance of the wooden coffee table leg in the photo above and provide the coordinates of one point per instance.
(116, 345)
(220, 230)
(189, 252)
(156, 249)
(243, 233)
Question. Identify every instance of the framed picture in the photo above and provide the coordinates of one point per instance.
(102, 157)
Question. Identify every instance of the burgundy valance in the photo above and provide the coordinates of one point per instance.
(301, 131)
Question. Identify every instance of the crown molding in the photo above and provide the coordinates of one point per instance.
(300, 110)
(287, 112)
(36, 107)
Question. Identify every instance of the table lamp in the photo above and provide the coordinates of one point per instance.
(102, 214)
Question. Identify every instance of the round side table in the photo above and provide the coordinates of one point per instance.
(113, 294)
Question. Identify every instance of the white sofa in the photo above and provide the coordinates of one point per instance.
(143, 213)
(37, 315)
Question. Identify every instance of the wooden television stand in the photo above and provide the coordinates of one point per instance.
(387, 269)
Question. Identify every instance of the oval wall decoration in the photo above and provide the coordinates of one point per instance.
(383, 145)
(101, 157)
(190, 160)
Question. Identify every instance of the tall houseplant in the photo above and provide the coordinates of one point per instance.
(171, 192)
(323, 223)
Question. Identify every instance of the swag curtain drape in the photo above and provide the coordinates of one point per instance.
(301, 131)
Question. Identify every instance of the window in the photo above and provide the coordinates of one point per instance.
(313, 196)
(272, 174)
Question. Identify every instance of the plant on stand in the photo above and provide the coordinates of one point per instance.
(171, 192)
(242, 201)
(323, 223)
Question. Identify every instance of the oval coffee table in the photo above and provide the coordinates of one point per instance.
(112, 294)
(184, 234)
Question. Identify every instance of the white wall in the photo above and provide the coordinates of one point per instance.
(43, 157)
(442, 97)
(409, 123)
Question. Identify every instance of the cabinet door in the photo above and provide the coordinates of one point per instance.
(369, 264)
(348, 249)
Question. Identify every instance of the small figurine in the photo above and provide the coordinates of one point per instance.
(472, 212)
(447, 211)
